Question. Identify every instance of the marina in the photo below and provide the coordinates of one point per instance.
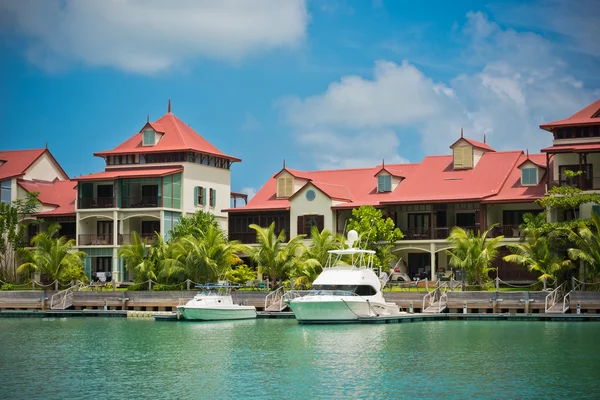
(272, 358)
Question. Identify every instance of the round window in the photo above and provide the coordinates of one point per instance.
(310, 195)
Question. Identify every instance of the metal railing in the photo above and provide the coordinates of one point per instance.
(556, 296)
(274, 300)
(584, 184)
(141, 202)
(439, 295)
(96, 202)
(125, 238)
(64, 299)
(95, 239)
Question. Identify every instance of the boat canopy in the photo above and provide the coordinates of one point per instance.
(351, 251)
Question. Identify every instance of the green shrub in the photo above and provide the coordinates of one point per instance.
(7, 286)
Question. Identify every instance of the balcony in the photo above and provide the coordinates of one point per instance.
(141, 202)
(96, 202)
(583, 184)
(95, 240)
(126, 238)
(441, 233)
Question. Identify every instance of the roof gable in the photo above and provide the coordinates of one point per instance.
(177, 136)
(474, 143)
(588, 115)
(60, 193)
(17, 162)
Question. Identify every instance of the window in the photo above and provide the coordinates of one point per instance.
(148, 137)
(310, 195)
(596, 210)
(285, 186)
(306, 222)
(529, 176)
(5, 189)
(463, 157)
(213, 197)
(199, 196)
(384, 183)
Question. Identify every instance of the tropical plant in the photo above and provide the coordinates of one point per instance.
(533, 224)
(586, 246)
(53, 256)
(474, 253)
(316, 256)
(12, 232)
(375, 233)
(274, 257)
(241, 274)
(137, 259)
(202, 260)
(535, 254)
(195, 225)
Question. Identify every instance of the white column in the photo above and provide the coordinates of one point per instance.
(162, 223)
(432, 253)
(115, 263)
(77, 230)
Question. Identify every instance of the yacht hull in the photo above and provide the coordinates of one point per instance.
(319, 311)
(217, 313)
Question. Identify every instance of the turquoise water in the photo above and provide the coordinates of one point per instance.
(104, 358)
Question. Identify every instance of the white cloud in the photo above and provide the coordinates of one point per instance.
(250, 191)
(149, 36)
(250, 123)
(518, 83)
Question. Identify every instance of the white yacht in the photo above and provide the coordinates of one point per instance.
(214, 303)
(346, 290)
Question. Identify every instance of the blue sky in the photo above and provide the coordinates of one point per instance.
(321, 83)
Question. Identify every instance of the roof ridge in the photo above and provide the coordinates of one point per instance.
(176, 126)
(36, 149)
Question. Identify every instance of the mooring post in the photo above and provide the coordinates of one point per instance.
(497, 284)
(545, 283)
(187, 283)
(526, 302)
(56, 285)
(43, 300)
(150, 284)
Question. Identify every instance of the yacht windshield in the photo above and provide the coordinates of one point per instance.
(361, 290)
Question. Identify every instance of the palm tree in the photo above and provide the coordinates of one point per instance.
(586, 246)
(137, 259)
(202, 260)
(474, 253)
(536, 256)
(316, 255)
(533, 224)
(274, 257)
(53, 256)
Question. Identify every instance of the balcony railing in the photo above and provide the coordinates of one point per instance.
(125, 238)
(584, 184)
(440, 233)
(141, 202)
(96, 202)
(95, 240)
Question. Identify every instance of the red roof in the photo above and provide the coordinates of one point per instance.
(568, 148)
(15, 162)
(513, 191)
(61, 194)
(587, 116)
(474, 143)
(112, 174)
(494, 178)
(390, 170)
(177, 136)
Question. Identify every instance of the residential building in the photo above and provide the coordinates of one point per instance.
(474, 187)
(37, 171)
(575, 147)
(162, 172)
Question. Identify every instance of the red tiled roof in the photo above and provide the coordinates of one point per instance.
(474, 143)
(587, 116)
(130, 173)
(294, 172)
(16, 162)
(495, 176)
(512, 190)
(568, 148)
(61, 194)
(334, 192)
(390, 170)
(177, 136)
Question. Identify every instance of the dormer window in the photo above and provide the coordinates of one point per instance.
(384, 183)
(463, 157)
(149, 137)
(529, 176)
(285, 186)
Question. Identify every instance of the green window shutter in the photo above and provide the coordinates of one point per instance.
(214, 197)
(380, 184)
(195, 195)
(387, 183)
(203, 196)
(596, 210)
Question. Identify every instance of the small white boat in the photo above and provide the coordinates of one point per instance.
(214, 303)
(347, 290)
